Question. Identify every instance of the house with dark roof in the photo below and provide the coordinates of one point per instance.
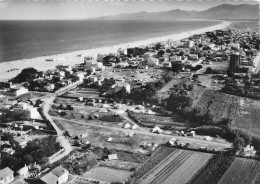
(6, 175)
(58, 175)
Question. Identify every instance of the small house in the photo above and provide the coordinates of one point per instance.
(22, 140)
(6, 175)
(134, 127)
(8, 150)
(58, 175)
(112, 157)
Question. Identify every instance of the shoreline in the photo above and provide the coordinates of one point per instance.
(71, 58)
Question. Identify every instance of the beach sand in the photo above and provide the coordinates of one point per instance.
(72, 58)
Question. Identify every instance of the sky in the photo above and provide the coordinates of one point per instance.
(85, 9)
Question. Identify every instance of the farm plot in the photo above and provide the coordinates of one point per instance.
(221, 105)
(154, 159)
(224, 106)
(151, 120)
(177, 168)
(242, 171)
(106, 174)
(248, 115)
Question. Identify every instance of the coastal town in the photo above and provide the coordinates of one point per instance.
(142, 114)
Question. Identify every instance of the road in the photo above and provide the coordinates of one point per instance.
(60, 137)
(190, 140)
(48, 100)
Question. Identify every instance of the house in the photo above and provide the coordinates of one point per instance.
(25, 112)
(193, 57)
(119, 85)
(22, 140)
(6, 175)
(167, 64)
(152, 62)
(58, 175)
(134, 127)
(112, 157)
(79, 75)
(23, 171)
(89, 62)
(11, 151)
(18, 90)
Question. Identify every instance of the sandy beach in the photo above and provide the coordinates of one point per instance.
(73, 58)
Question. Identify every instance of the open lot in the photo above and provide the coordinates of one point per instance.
(241, 171)
(106, 174)
(178, 167)
(98, 135)
(129, 74)
(88, 93)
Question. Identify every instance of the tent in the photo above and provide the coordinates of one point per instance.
(102, 110)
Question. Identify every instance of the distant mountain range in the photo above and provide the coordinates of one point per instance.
(224, 11)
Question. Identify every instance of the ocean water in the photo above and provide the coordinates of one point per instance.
(28, 39)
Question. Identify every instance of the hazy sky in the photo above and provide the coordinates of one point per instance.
(83, 9)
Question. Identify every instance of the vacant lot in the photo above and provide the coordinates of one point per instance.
(106, 174)
(161, 121)
(130, 75)
(82, 92)
(177, 168)
(242, 171)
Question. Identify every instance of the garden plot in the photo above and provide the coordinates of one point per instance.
(106, 174)
(242, 171)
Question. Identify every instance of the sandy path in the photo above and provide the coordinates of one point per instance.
(72, 58)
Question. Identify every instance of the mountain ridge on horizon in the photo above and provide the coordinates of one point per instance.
(223, 11)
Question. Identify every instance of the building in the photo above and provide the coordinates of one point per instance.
(190, 43)
(22, 140)
(58, 175)
(18, 90)
(167, 64)
(6, 175)
(89, 62)
(152, 62)
(112, 157)
(10, 151)
(25, 112)
(235, 61)
(120, 85)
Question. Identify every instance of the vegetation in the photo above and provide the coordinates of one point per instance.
(214, 170)
(37, 150)
(26, 75)
(178, 102)
(111, 118)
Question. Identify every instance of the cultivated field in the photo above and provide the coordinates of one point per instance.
(106, 174)
(177, 168)
(221, 105)
(242, 171)
(248, 116)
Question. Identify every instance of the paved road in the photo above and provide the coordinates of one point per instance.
(60, 137)
(197, 141)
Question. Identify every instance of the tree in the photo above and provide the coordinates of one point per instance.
(179, 102)
(26, 74)
(27, 159)
(238, 143)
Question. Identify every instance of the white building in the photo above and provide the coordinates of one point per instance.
(119, 85)
(25, 111)
(6, 175)
(18, 90)
(91, 63)
(58, 175)
(152, 62)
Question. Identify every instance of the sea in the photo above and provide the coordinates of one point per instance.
(30, 39)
